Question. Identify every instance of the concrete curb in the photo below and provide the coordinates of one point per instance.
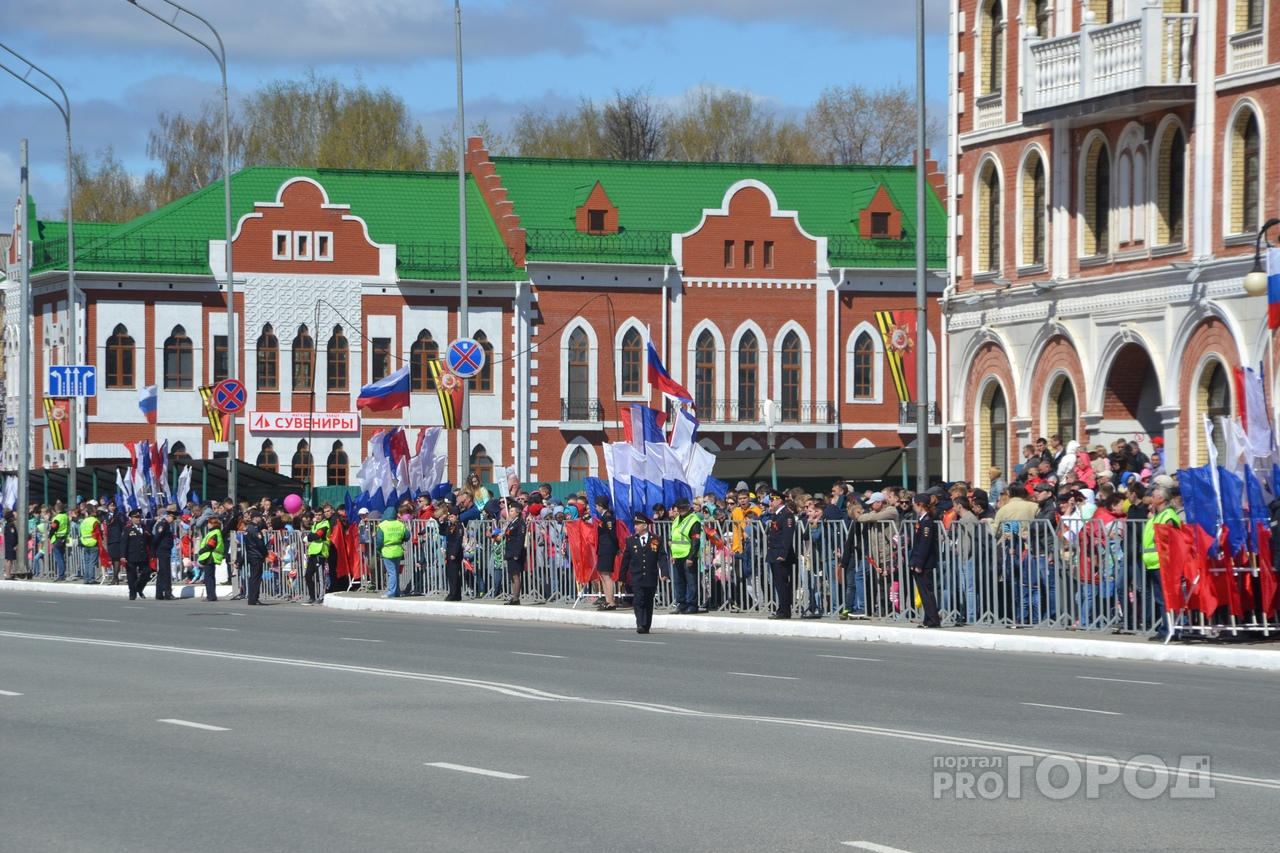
(120, 590)
(1237, 658)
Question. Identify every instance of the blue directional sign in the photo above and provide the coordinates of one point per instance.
(73, 380)
(465, 358)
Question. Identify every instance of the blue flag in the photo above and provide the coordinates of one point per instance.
(1199, 501)
(1232, 509)
(596, 487)
(719, 488)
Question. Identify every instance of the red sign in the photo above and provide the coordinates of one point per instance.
(304, 422)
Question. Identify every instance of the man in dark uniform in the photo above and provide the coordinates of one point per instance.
(137, 555)
(606, 550)
(514, 550)
(924, 559)
(781, 555)
(642, 556)
(255, 553)
(162, 547)
(451, 532)
(116, 524)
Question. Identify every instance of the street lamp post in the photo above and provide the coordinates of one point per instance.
(220, 56)
(1255, 283)
(922, 294)
(464, 320)
(73, 329)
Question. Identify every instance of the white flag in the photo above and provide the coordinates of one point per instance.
(184, 488)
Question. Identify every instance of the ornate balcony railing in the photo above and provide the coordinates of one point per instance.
(1153, 49)
(726, 414)
(990, 110)
(626, 246)
(1245, 51)
(907, 414)
(581, 410)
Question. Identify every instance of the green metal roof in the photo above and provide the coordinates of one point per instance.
(657, 199)
(417, 211)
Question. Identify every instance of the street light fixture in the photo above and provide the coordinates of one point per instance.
(220, 56)
(73, 328)
(1255, 283)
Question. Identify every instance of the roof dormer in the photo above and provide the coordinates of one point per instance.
(878, 218)
(594, 212)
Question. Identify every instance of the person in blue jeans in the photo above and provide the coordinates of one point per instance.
(965, 537)
(854, 564)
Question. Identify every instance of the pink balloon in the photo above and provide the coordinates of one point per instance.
(292, 504)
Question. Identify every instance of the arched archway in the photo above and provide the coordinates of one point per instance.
(1131, 397)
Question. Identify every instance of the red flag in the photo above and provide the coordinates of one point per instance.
(1172, 548)
(1266, 574)
(337, 541)
(582, 549)
(355, 555)
(399, 447)
(624, 533)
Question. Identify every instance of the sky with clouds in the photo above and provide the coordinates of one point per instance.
(120, 66)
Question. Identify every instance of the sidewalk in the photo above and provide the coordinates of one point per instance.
(1243, 655)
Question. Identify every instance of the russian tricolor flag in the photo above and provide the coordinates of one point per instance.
(660, 379)
(148, 397)
(386, 394)
(1273, 288)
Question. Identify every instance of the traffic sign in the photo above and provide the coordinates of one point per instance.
(73, 380)
(465, 358)
(229, 396)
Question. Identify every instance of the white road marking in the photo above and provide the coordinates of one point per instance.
(134, 607)
(211, 628)
(1069, 708)
(478, 631)
(348, 621)
(758, 675)
(1121, 680)
(645, 642)
(47, 601)
(497, 774)
(520, 691)
(9, 693)
(536, 655)
(846, 657)
(359, 640)
(9, 613)
(105, 620)
(873, 847)
(192, 725)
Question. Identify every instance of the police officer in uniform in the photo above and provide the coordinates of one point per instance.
(686, 537)
(213, 548)
(924, 559)
(137, 555)
(255, 553)
(90, 538)
(781, 555)
(643, 556)
(451, 532)
(317, 553)
(162, 547)
(389, 541)
(515, 550)
(606, 550)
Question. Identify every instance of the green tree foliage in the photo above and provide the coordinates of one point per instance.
(105, 191)
(854, 125)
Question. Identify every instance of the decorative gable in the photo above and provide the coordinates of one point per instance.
(880, 219)
(750, 238)
(595, 213)
(302, 233)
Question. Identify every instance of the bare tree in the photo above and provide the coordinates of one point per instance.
(106, 192)
(854, 125)
(633, 126)
(719, 126)
(569, 134)
(445, 158)
(190, 151)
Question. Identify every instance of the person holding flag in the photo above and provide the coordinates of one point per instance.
(606, 550)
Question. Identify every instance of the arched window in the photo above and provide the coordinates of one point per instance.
(864, 367)
(1131, 171)
(1034, 210)
(632, 359)
(993, 48)
(179, 361)
(1038, 13)
(304, 360)
(1103, 11)
(748, 378)
(423, 351)
(1172, 188)
(1062, 409)
(791, 374)
(579, 464)
(336, 361)
(267, 458)
(1097, 200)
(990, 221)
(482, 382)
(1252, 17)
(578, 397)
(302, 465)
(268, 360)
(997, 429)
(481, 464)
(120, 352)
(336, 466)
(1246, 173)
(704, 372)
(178, 453)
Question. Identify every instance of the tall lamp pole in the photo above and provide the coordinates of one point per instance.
(220, 56)
(73, 328)
(922, 327)
(464, 320)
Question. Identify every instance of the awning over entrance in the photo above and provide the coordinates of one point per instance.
(871, 465)
(208, 479)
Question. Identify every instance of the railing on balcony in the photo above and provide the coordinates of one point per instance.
(907, 413)
(1154, 49)
(626, 246)
(1245, 51)
(990, 110)
(581, 410)
(726, 414)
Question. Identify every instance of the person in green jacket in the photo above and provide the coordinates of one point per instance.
(213, 549)
(389, 541)
(58, 532)
(317, 551)
(1161, 513)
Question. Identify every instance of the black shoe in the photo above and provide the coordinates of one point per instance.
(810, 614)
(238, 597)
(512, 601)
(133, 598)
(141, 594)
(780, 616)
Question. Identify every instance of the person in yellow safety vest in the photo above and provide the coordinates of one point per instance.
(317, 552)
(392, 533)
(686, 539)
(213, 549)
(90, 538)
(58, 539)
(1161, 513)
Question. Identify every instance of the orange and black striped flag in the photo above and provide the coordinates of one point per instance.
(449, 392)
(217, 420)
(55, 412)
(900, 350)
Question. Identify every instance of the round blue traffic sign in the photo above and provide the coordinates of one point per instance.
(465, 358)
(229, 396)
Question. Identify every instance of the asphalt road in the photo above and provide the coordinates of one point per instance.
(140, 726)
